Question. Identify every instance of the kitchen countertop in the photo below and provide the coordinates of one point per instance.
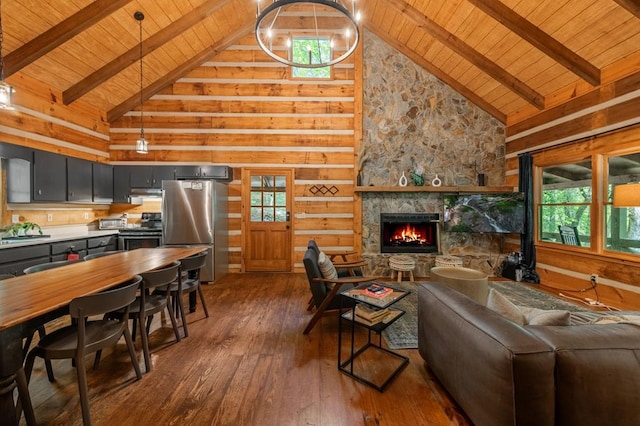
(56, 238)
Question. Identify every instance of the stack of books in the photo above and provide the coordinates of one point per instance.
(370, 316)
(376, 290)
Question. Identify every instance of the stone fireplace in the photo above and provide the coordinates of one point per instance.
(414, 123)
(409, 233)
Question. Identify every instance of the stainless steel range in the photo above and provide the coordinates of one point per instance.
(148, 235)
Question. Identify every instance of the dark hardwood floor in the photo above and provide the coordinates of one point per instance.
(247, 364)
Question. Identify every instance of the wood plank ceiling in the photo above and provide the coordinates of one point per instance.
(512, 58)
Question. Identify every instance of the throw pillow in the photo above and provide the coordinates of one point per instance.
(327, 269)
(503, 306)
(534, 316)
(617, 319)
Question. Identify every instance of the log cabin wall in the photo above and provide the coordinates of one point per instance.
(596, 122)
(242, 109)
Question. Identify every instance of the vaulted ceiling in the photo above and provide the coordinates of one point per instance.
(512, 58)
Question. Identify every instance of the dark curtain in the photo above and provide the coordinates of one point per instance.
(527, 247)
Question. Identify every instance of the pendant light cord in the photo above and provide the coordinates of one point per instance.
(139, 16)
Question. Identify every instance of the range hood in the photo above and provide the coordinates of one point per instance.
(146, 192)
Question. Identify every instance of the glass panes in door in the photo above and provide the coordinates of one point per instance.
(268, 198)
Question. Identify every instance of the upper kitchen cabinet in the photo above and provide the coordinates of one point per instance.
(224, 173)
(10, 151)
(49, 176)
(149, 176)
(121, 186)
(102, 183)
(79, 180)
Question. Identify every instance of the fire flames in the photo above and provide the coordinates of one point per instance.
(408, 234)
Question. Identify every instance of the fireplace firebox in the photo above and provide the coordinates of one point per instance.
(409, 233)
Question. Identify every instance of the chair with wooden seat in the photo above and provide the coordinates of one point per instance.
(325, 291)
(101, 254)
(152, 299)
(343, 261)
(569, 235)
(345, 268)
(49, 265)
(87, 335)
(41, 329)
(188, 283)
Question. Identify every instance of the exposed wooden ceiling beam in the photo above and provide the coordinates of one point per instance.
(541, 40)
(92, 81)
(173, 75)
(420, 61)
(59, 34)
(632, 6)
(467, 52)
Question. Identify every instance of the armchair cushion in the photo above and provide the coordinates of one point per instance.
(327, 269)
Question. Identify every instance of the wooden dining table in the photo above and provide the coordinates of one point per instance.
(28, 301)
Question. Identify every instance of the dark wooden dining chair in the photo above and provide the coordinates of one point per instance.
(152, 299)
(49, 265)
(101, 254)
(188, 283)
(87, 335)
(41, 329)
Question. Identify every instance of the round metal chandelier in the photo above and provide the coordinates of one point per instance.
(308, 33)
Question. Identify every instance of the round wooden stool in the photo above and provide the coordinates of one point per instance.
(400, 264)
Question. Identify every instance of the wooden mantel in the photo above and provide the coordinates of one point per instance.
(446, 189)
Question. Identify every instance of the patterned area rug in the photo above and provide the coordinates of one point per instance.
(403, 334)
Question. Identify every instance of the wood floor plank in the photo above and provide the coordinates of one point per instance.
(247, 364)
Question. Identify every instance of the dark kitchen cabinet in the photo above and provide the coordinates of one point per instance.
(102, 183)
(186, 172)
(204, 172)
(61, 250)
(79, 180)
(121, 186)
(14, 260)
(149, 176)
(49, 176)
(102, 244)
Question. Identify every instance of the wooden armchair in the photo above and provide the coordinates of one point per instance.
(569, 235)
(347, 265)
(325, 291)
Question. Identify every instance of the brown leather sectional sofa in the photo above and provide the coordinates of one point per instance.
(501, 373)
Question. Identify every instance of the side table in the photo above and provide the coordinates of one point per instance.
(348, 366)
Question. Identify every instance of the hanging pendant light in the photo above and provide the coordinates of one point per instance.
(142, 146)
(6, 90)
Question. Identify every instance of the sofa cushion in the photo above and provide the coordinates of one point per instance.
(523, 315)
(534, 316)
(503, 306)
(327, 269)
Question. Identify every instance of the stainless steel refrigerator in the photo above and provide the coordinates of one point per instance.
(194, 212)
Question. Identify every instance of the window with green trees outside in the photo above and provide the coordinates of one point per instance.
(622, 225)
(311, 50)
(566, 201)
(567, 198)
